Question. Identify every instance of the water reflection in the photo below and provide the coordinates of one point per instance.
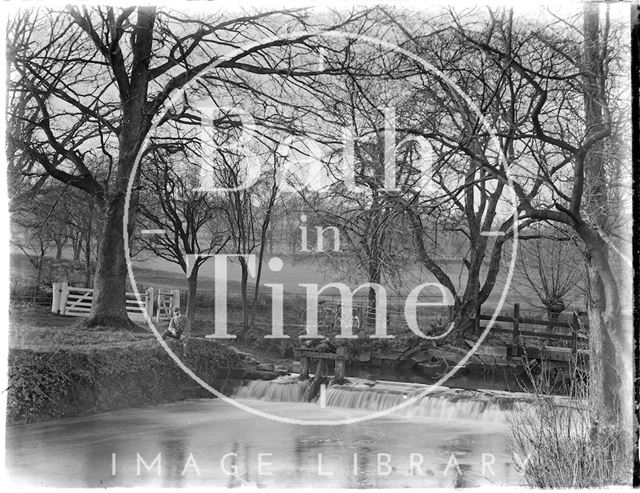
(174, 461)
(364, 473)
(229, 448)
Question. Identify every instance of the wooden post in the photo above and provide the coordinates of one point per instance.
(55, 301)
(64, 294)
(159, 301)
(341, 359)
(314, 388)
(148, 302)
(304, 370)
(515, 343)
(574, 336)
(175, 298)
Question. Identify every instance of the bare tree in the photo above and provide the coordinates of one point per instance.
(467, 195)
(192, 221)
(577, 106)
(83, 216)
(36, 229)
(553, 267)
(248, 217)
(96, 77)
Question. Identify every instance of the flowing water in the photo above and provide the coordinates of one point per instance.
(442, 402)
(450, 438)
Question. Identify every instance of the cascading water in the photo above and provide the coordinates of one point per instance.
(441, 402)
(282, 389)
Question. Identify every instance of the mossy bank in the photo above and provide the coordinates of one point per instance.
(73, 381)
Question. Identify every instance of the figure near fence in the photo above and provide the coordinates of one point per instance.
(179, 328)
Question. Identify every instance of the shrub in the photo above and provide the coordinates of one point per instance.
(559, 444)
(71, 382)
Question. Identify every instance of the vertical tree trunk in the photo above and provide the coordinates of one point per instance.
(192, 283)
(610, 355)
(39, 268)
(256, 289)
(610, 383)
(87, 234)
(76, 245)
(466, 310)
(87, 260)
(464, 316)
(374, 277)
(243, 292)
(604, 382)
(109, 299)
(59, 247)
(554, 308)
(266, 236)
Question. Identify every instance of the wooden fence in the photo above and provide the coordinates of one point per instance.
(74, 301)
(517, 334)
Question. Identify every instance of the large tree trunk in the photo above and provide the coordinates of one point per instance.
(466, 309)
(87, 260)
(192, 283)
(59, 247)
(464, 316)
(109, 302)
(605, 382)
(610, 383)
(109, 299)
(76, 246)
(87, 235)
(610, 354)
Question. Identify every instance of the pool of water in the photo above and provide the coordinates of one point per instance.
(211, 443)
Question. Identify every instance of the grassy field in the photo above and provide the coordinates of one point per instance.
(39, 329)
(162, 274)
(35, 328)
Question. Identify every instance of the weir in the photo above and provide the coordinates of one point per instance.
(283, 389)
(441, 402)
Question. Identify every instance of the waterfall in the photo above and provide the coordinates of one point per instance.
(282, 389)
(448, 404)
(441, 402)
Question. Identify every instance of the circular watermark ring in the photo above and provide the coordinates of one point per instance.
(429, 388)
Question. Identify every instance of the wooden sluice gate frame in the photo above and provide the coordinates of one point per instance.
(514, 351)
(307, 356)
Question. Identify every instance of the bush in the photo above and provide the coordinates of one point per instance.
(67, 382)
(559, 444)
(562, 449)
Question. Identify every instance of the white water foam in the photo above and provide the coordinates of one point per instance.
(360, 394)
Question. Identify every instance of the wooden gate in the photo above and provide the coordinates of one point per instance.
(73, 301)
(166, 302)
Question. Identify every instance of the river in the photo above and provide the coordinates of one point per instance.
(208, 442)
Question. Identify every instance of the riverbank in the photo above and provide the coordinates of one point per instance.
(58, 368)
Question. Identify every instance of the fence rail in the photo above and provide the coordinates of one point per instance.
(26, 291)
(74, 301)
(517, 335)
